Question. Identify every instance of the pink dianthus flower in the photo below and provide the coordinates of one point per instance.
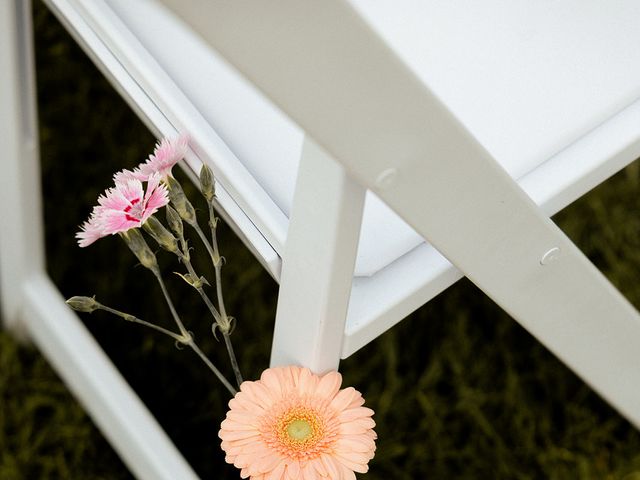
(167, 153)
(122, 207)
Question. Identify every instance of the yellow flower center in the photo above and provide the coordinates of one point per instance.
(299, 430)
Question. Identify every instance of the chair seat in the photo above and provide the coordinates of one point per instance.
(528, 79)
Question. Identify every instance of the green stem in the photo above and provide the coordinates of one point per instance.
(232, 357)
(213, 368)
(217, 261)
(186, 339)
(131, 318)
(205, 297)
(220, 320)
(174, 314)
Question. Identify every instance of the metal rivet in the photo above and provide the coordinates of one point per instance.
(551, 256)
(386, 178)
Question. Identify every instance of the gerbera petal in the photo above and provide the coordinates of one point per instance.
(354, 414)
(347, 474)
(329, 385)
(307, 382)
(272, 381)
(230, 435)
(352, 428)
(278, 473)
(293, 470)
(343, 398)
(352, 459)
(307, 472)
(261, 394)
(230, 424)
(244, 417)
(355, 462)
(330, 465)
(319, 468)
(356, 401)
(267, 463)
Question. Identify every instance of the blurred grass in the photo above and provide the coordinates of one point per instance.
(460, 390)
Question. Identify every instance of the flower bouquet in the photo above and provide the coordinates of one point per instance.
(291, 423)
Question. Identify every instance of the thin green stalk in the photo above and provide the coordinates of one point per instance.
(217, 266)
(131, 318)
(174, 314)
(185, 339)
(205, 297)
(213, 368)
(222, 321)
(217, 260)
(205, 240)
(232, 357)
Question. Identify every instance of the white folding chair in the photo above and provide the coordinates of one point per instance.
(345, 133)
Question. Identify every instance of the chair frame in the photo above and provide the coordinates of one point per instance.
(517, 256)
(32, 306)
(355, 98)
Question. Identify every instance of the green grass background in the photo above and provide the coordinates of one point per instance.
(460, 390)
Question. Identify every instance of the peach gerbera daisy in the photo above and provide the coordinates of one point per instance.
(292, 424)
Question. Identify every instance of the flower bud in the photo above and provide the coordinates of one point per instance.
(83, 304)
(174, 221)
(207, 184)
(181, 202)
(160, 234)
(138, 245)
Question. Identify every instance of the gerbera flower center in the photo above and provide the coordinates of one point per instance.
(299, 430)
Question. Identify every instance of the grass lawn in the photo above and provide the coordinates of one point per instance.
(460, 390)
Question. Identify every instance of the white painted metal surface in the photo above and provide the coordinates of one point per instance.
(346, 88)
(21, 251)
(317, 267)
(30, 302)
(115, 408)
(381, 301)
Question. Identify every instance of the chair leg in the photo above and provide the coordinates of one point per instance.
(21, 251)
(318, 263)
